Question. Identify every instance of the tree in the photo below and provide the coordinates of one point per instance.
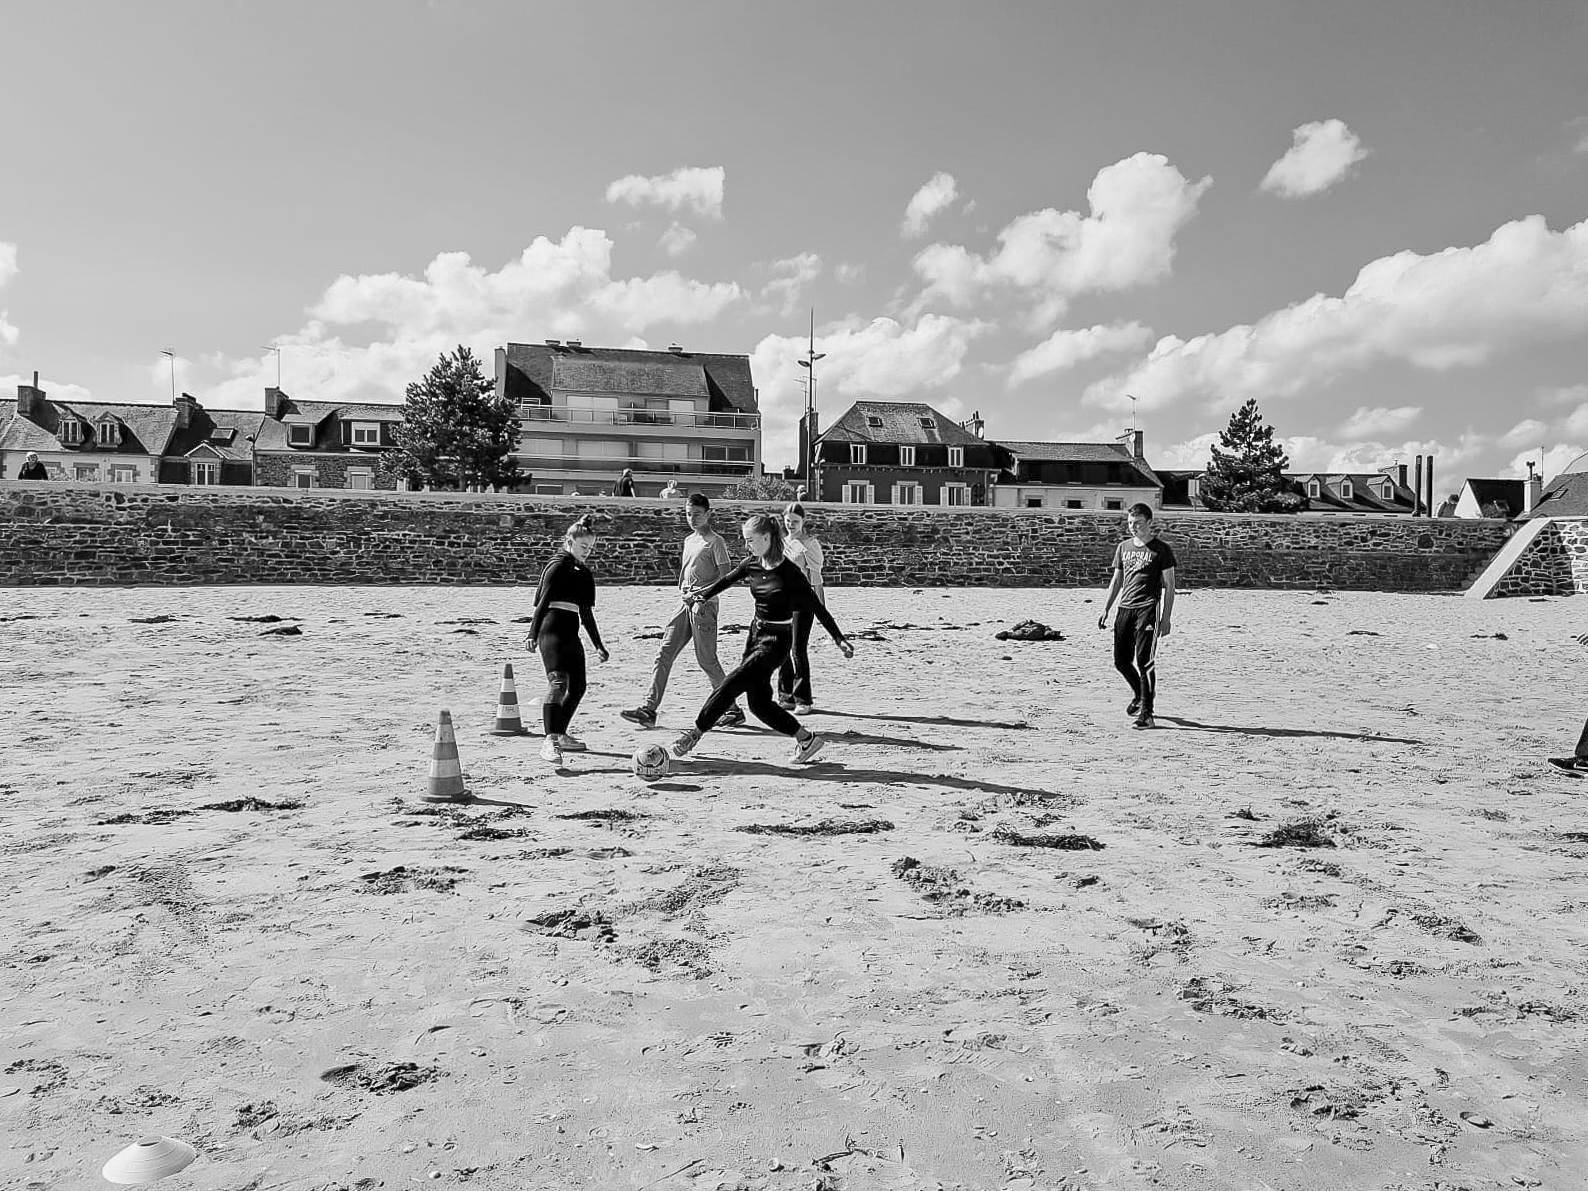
(761, 488)
(456, 432)
(1247, 475)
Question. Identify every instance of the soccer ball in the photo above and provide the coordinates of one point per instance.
(651, 763)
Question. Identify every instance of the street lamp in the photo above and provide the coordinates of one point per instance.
(809, 364)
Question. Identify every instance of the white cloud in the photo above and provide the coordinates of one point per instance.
(1192, 454)
(1310, 453)
(1455, 308)
(8, 331)
(1065, 349)
(56, 390)
(160, 375)
(1321, 154)
(1137, 207)
(937, 193)
(8, 262)
(1576, 423)
(1550, 462)
(1562, 394)
(849, 274)
(882, 359)
(793, 275)
(699, 189)
(677, 240)
(1365, 422)
(1528, 430)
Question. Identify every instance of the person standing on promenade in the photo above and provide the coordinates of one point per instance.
(1578, 762)
(566, 597)
(794, 675)
(705, 561)
(672, 491)
(32, 469)
(1143, 576)
(626, 483)
(780, 592)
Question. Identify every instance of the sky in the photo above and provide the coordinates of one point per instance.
(1067, 217)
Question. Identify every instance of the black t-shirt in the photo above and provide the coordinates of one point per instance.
(779, 592)
(1141, 569)
(567, 581)
(33, 471)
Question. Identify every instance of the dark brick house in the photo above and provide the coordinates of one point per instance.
(322, 444)
(904, 453)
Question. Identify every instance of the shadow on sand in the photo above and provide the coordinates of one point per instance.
(831, 770)
(946, 721)
(1194, 726)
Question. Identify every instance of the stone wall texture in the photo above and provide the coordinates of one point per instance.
(106, 534)
(1555, 563)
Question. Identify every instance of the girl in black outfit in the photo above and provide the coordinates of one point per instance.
(780, 590)
(565, 597)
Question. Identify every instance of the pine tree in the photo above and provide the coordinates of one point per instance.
(1247, 476)
(774, 488)
(456, 433)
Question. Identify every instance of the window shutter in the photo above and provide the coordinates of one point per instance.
(347, 433)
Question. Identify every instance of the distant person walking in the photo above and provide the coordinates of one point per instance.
(705, 560)
(32, 469)
(672, 491)
(1448, 507)
(794, 675)
(1578, 762)
(1143, 576)
(626, 483)
(566, 597)
(780, 592)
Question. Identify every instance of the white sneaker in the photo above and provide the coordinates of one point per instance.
(686, 742)
(803, 709)
(805, 749)
(551, 751)
(572, 744)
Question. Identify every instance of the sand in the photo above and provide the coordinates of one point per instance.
(583, 981)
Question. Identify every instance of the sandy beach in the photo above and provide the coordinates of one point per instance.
(230, 918)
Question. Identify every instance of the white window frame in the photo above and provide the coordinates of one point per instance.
(298, 428)
(928, 424)
(108, 433)
(857, 453)
(1114, 504)
(199, 469)
(371, 430)
(853, 487)
(365, 474)
(906, 456)
(874, 421)
(956, 456)
(71, 431)
(948, 492)
(123, 473)
(300, 474)
(91, 470)
(548, 489)
(1347, 492)
(1073, 504)
(909, 486)
(1314, 489)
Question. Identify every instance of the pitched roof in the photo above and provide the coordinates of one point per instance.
(1067, 452)
(1565, 496)
(536, 369)
(272, 432)
(901, 422)
(1365, 486)
(199, 433)
(1510, 493)
(146, 429)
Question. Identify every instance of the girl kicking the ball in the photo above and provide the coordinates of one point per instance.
(780, 590)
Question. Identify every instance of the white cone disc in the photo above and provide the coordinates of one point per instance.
(149, 1159)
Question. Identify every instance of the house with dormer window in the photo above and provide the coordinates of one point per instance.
(323, 444)
(904, 453)
(1102, 477)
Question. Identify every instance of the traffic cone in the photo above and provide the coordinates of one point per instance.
(507, 720)
(446, 773)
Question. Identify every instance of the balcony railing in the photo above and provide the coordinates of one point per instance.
(655, 467)
(637, 417)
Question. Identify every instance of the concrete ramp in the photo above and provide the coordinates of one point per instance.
(1500, 565)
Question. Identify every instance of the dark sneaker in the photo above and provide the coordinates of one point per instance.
(643, 716)
(732, 718)
(1576, 765)
(805, 749)
(1144, 720)
(1134, 706)
(572, 744)
(686, 742)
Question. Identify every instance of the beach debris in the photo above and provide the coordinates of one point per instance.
(51, 1076)
(545, 853)
(608, 815)
(252, 804)
(381, 1080)
(704, 886)
(1476, 1120)
(508, 722)
(159, 815)
(590, 926)
(1030, 630)
(825, 827)
(691, 956)
(486, 832)
(285, 630)
(1302, 833)
(1362, 633)
(267, 618)
(446, 771)
(161, 619)
(1445, 927)
(384, 615)
(1070, 841)
(1300, 901)
(251, 1116)
(1490, 637)
(1246, 813)
(468, 632)
(402, 879)
(945, 888)
(1206, 995)
(148, 1159)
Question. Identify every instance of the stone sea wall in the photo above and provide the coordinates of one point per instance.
(1555, 563)
(107, 534)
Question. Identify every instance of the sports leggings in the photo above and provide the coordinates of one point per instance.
(1582, 743)
(764, 650)
(563, 655)
(794, 674)
(1136, 650)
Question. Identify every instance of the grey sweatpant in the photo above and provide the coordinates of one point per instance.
(697, 624)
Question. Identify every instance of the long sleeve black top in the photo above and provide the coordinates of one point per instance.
(568, 581)
(779, 592)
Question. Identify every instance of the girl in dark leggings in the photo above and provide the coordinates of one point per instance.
(565, 597)
(780, 591)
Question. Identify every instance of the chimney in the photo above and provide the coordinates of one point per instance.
(576, 343)
(1532, 489)
(676, 349)
(186, 405)
(554, 343)
(30, 399)
(1400, 469)
(1135, 445)
(1417, 489)
(275, 402)
(1428, 480)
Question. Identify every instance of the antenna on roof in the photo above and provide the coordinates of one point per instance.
(277, 350)
(1132, 412)
(171, 352)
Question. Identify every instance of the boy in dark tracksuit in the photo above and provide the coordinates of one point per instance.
(1578, 762)
(1143, 575)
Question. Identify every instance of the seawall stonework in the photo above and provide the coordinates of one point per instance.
(103, 534)
(1555, 563)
